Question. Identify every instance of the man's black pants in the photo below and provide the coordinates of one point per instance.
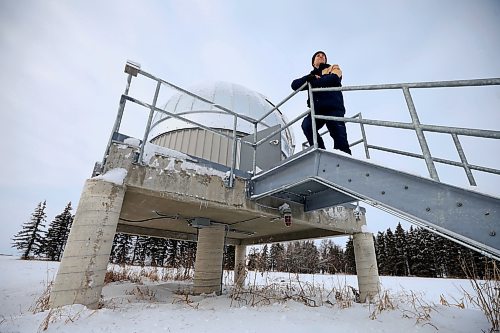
(337, 132)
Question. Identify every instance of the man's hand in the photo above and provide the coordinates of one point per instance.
(333, 69)
(336, 70)
(311, 77)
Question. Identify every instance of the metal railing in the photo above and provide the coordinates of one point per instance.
(133, 70)
(418, 127)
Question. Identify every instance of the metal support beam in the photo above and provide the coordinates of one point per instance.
(420, 135)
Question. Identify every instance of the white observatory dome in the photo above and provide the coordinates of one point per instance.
(235, 97)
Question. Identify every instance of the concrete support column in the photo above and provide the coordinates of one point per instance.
(209, 256)
(83, 266)
(240, 257)
(366, 266)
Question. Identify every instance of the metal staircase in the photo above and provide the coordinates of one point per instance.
(319, 179)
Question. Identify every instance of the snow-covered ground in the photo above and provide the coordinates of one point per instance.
(158, 307)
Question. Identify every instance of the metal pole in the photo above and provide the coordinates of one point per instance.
(420, 135)
(118, 119)
(233, 160)
(148, 126)
(365, 143)
(411, 85)
(313, 116)
(220, 107)
(255, 149)
(281, 103)
(429, 128)
(281, 129)
(173, 115)
(464, 160)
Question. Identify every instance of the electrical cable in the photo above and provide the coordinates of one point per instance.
(177, 217)
(159, 217)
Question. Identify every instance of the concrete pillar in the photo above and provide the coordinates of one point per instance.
(240, 257)
(208, 264)
(366, 266)
(83, 266)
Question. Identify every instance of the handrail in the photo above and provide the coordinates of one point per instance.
(134, 70)
(432, 84)
(415, 125)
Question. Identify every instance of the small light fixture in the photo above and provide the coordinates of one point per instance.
(286, 214)
(132, 67)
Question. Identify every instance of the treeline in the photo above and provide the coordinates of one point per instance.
(36, 240)
(152, 251)
(416, 252)
(419, 252)
(303, 257)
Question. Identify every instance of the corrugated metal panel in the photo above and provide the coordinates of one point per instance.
(200, 143)
(235, 97)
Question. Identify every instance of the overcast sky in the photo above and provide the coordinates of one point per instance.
(62, 75)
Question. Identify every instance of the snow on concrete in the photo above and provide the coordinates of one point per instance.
(150, 150)
(128, 308)
(189, 164)
(337, 213)
(115, 176)
(132, 142)
(201, 170)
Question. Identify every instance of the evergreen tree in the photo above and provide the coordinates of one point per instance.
(229, 258)
(173, 251)
(120, 251)
(30, 240)
(139, 252)
(349, 257)
(430, 240)
(423, 259)
(187, 254)
(409, 250)
(442, 256)
(156, 251)
(310, 255)
(263, 264)
(325, 261)
(253, 259)
(57, 234)
(390, 252)
(337, 260)
(400, 252)
(381, 253)
(277, 257)
(291, 261)
(302, 257)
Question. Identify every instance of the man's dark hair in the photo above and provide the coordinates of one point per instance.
(314, 56)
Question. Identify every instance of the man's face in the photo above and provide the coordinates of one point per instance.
(319, 59)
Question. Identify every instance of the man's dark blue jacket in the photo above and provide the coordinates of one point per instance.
(325, 102)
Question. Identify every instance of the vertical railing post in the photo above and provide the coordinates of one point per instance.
(465, 164)
(255, 149)
(118, 119)
(420, 135)
(233, 157)
(148, 125)
(363, 135)
(313, 116)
